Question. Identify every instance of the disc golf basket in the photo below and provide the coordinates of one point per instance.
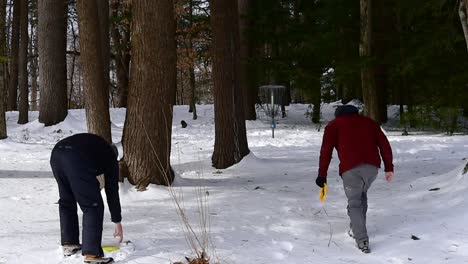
(271, 97)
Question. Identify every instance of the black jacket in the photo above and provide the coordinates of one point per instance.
(97, 157)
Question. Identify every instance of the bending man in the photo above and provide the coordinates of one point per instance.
(83, 165)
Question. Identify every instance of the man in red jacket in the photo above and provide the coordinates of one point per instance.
(360, 143)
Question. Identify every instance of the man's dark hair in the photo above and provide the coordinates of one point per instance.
(346, 110)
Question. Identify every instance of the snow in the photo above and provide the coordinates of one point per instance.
(265, 209)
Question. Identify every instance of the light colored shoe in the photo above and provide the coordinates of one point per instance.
(97, 260)
(69, 250)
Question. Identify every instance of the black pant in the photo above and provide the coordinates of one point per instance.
(77, 183)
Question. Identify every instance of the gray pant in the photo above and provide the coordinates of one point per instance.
(356, 182)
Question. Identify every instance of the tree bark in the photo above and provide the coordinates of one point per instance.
(230, 132)
(23, 64)
(52, 30)
(91, 58)
(246, 83)
(3, 129)
(148, 125)
(463, 14)
(14, 48)
(369, 90)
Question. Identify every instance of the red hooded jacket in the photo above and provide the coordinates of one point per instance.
(358, 140)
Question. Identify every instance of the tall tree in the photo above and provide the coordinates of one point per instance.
(148, 125)
(3, 130)
(230, 132)
(14, 48)
(369, 89)
(52, 21)
(96, 90)
(23, 64)
(246, 82)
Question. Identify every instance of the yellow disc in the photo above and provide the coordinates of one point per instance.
(323, 192)
(110, 248)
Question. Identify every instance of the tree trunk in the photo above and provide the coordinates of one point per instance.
(103, 14)
(148, 125)
(463, 13)
(181, 87)
(316, 100)
(52, 30)
(230, 133)
(347, 93)
(192, 108)
(71, 78)
(122, 55)
(246, 83)
(33, 61)
(91, 58)
(123, 77)
(3, 129)
(23, 65)
(193, 98)
(13, 77)
(369, 90)
(385, 39)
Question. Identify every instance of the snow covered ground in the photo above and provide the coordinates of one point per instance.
(264, 210)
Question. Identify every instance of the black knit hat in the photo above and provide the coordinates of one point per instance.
(346, 110)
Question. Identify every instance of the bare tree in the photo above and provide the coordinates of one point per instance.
(13, 64)
(23, 64)
(148, 125)
(52, 22)
(3, 130)
(91, 58)
(230, 132)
